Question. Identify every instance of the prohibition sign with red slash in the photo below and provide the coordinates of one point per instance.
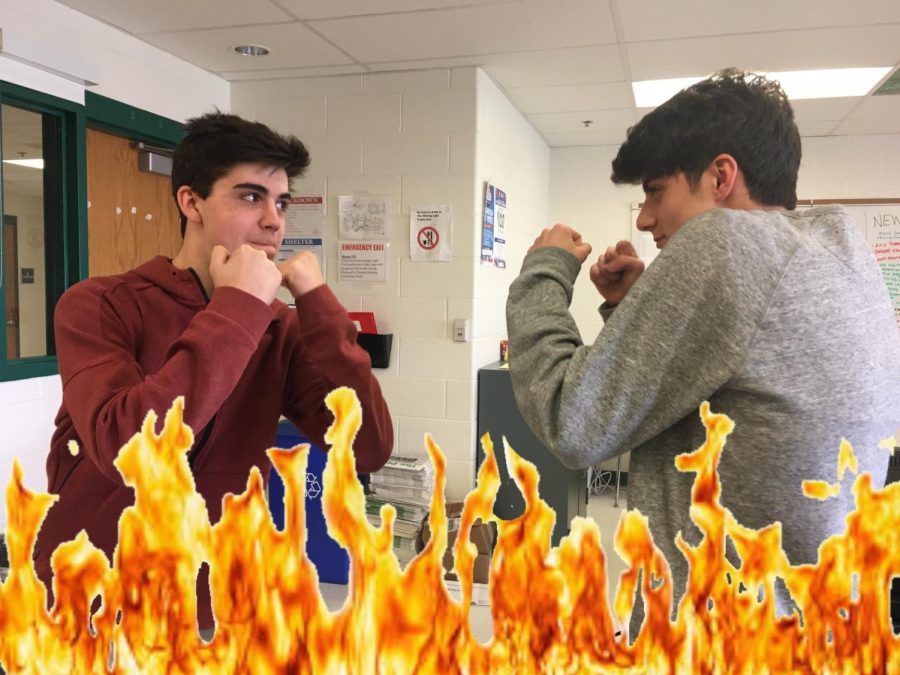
(428, 238)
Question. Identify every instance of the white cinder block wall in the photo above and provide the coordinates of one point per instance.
(425, 137)
(124, 69)
(410, 136)
(515, 158)
(581, 194)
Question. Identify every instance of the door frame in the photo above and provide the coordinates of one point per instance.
(13, 223)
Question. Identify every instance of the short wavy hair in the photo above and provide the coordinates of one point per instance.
(217, 142)
(744, 115)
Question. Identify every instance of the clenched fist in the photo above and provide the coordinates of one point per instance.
(564, 237)
(246, 268)
(615, 272)
(301, 273)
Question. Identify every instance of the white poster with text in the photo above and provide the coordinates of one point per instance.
(431, 233)
(362, 261)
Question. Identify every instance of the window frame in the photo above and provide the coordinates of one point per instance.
(66, 269)
(97, 112)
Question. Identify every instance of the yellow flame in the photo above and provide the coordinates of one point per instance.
(549, 606)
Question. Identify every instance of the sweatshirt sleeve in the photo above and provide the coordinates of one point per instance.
(679, 335)
(326, 356)
(105, 389)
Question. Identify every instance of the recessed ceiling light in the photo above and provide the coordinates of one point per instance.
(797, 84)
(30, 163)
(251, 50)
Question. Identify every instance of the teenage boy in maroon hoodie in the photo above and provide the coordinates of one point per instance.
(204, 325)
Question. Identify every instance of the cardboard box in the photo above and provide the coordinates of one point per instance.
(482, 535)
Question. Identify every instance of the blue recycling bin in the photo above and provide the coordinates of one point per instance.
(331, 560)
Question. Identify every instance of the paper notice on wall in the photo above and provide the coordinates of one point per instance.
(365, 216)
(303, 225)
(493, 228)
(431, 233)
(499, 228)
(887, 253)
(305, 217)
(290, 246)
(362, 261)
(881, 224)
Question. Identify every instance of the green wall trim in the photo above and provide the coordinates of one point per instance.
(24, 369)
(125, 120)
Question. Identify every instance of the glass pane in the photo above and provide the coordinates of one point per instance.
(30, 199)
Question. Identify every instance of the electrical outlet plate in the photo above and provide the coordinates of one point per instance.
(460, 330)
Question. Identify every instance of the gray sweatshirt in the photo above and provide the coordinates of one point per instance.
(781, 320)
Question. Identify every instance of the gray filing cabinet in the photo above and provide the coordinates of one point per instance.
(563, 489)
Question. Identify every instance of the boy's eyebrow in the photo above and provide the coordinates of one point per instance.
(259, 188)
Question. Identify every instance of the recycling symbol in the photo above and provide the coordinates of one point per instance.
(313, 489)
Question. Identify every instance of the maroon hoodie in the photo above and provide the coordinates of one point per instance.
(131, 343)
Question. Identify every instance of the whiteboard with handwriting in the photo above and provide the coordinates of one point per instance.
(881, 225)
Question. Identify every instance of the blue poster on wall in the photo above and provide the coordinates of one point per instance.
(499, 228)
(493, 227)
(487, 227)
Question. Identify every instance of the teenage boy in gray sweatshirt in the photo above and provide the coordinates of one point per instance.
(779, 318)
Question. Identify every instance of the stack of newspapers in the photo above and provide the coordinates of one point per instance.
(406, 483)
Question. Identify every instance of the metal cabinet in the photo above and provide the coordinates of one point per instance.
(563, 489)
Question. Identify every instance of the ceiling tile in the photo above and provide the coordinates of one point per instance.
(875, 115)
(664, 19)
(817, 128)
(139, 16)
(606, 120)
(877, 107)
(575, 65)
(789, 50)
(291, 45)
(559, 63)
(483, 29)
(572, 97)
(885, 125)
(425, 64)
(326, 9)
(548, 67)
(291, 73)
(585, 137)
(819, 109)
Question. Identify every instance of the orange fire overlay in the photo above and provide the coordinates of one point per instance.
(549, 607)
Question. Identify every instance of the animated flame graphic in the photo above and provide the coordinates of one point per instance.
(272, 619)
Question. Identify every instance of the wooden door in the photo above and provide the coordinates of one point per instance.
(131, 214)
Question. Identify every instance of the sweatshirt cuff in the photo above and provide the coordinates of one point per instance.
(317, 306)
(242, 308)
(606, 311)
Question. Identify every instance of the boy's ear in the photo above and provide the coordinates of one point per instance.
(724, 170)
(188, 202)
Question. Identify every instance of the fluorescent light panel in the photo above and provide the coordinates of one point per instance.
(30, 163)
(797, 84)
